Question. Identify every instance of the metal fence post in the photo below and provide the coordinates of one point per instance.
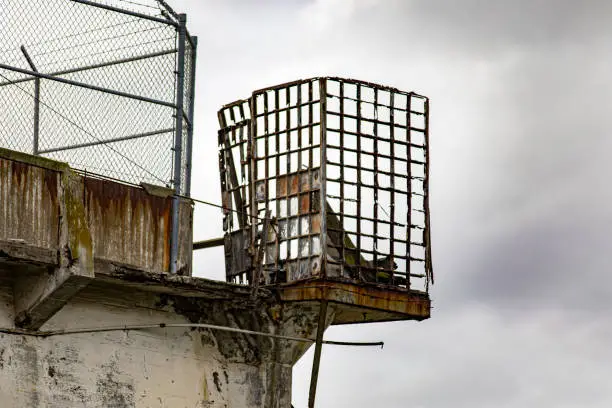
(178, 142)
(188, 153)
(36, 100)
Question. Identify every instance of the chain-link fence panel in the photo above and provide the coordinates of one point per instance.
(94, 83)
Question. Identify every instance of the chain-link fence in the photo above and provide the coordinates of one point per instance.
(105, 85)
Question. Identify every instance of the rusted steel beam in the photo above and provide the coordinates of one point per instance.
(208, 243)
(380, 302)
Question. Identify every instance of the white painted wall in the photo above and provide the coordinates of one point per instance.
(154, 368)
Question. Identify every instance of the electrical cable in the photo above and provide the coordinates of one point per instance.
(140, 4)
(63, 332)
(70, 35)
(98, 41)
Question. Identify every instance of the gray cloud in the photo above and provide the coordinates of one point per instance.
(520, 97)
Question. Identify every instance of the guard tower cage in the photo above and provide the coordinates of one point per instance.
(326, 178)
(104, 85)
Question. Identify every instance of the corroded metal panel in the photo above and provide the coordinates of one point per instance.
(361, 303)
(29, 204)
(128, 225)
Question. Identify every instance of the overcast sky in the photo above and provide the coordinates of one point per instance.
(520, 120)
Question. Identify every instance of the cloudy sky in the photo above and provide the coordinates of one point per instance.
(520, 93)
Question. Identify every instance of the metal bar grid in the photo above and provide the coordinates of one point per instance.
(368, 147)
(370, 187)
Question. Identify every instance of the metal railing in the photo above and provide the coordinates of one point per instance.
(104, 85)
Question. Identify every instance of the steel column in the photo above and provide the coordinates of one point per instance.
(188, 153)
(314, 377)
(178, 142)
(36, 101)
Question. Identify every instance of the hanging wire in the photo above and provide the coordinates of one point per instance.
(101, 40)
(37, 44)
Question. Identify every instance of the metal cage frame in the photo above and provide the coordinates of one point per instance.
(326, 178)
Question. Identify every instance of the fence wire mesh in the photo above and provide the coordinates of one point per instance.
(94, 83)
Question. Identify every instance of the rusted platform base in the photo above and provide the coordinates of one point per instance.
(361, 303)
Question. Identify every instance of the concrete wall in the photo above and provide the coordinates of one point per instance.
(162, 367)
(127, 225)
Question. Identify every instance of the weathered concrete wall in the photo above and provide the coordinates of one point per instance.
(127, 225)
(162, 367)
(29, 207)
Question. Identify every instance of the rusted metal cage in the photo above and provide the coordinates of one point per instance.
(326, 178)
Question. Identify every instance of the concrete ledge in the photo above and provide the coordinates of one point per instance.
(38, 297)
(177, 285)
(14, 251)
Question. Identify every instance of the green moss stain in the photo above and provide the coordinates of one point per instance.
(79, 236)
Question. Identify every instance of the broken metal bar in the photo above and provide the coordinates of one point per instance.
(233, 178)
(87, 86)
(101, 142)
(260, 254)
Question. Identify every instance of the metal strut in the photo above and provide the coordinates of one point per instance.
(314, 377)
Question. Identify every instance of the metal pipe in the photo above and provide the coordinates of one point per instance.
(63, 332)
(96, 66)
(35, 150)
(82, 85)
(127, 12)
(100, 142)
(189, 152)
(317, 354)
(178, 142)
(209, 243)
(36, 101)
